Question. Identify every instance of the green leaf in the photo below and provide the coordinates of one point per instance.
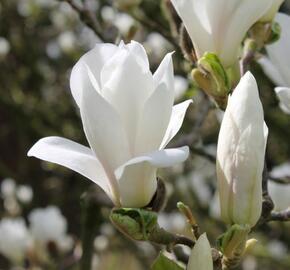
(163, 263)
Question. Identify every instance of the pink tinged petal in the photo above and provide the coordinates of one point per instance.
(175, 123)
(95, 60)
(201, 258)
(104, 132)
(155, 118)
(283, 93)
(74, 156)
(126, 85)
(137, 178)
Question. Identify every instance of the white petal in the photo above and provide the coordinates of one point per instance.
(283, 93)
(155, 118)
(137, 178)
(165, 74)
(126, 85)
(236, 28)
(154, 121)
(95, 60)
(216, 26)
(194, 17)
(138, 50)
(279, 52)
(271, 71)
(240, 155)
(71, 155)
(103, 129)
(176, 120)
(201, 258)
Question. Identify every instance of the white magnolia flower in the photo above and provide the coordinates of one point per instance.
(219, 26)
(240, 155)
(271, 12)
(128, 118)
(15, 239)
(277, 66)
(279, 192)
(49, 225)
(201, 258)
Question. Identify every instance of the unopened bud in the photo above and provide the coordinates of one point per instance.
(212, 78)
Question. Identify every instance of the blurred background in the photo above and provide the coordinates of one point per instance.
(40, 41)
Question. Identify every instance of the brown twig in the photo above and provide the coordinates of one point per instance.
(201, 152)
(88, 18)
(280, 216)
(282, 181)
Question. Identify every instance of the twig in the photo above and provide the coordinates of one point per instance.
(91, 212)
(201, 152)
(154, 27)
(283, 181)
(280, 216)
(88, 18)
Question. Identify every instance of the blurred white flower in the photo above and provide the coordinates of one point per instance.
(276, 65)
(53, 50)
(8, 187)
(200, 186)
(157, 45)
(123, 22)
(180, 86)
(216, 25)
(4, 46)
(280, 193)
(283, 94)
(240, 155)
(49, 225)
(108, 14)
(15, 239)
(127, 129)
(67, 41)
(201, 258)
(173, 222)
(277, 249)
(24, 194)
(214, 206)
(101, 243)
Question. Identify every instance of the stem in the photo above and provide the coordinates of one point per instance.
(91, 220)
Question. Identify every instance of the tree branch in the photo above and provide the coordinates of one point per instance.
(88, 18)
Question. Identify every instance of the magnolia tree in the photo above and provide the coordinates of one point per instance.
(139, 117)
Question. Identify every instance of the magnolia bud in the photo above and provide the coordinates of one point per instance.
(240, 155)
(212, 78)
(201, 258)
(233, 245)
